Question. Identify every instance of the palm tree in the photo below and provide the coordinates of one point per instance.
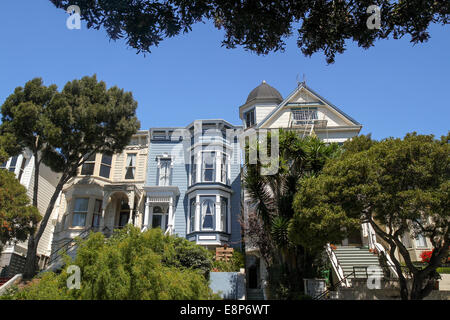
(272, 197)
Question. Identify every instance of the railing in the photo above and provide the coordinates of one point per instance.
(334, 286)
(56, 254)
(336, 265)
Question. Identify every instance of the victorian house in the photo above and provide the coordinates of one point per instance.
(106, 194)
(193, 182)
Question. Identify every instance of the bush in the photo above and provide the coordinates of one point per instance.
(131, 265)
(236, 262)
(443, 270)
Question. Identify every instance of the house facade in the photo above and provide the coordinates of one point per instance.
(12, 259)
(193, 182)
(106, 194)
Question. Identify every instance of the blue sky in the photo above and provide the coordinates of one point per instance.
(392, 88)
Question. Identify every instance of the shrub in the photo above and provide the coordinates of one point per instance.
(130, 265)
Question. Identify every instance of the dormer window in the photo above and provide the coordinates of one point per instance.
(249, 118)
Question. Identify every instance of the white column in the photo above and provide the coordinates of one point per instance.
(146, 214)
(197, 213)
(171, 218)
(217, 214)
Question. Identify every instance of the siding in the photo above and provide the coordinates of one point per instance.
(179, 178)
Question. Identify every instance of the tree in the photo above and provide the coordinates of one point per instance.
(272, 197)
(263, 26)
(131, 265)
(18, 218)
(398, 186)
(63, 129)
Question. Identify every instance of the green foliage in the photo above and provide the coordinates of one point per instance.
(443, 270)
(131, 265)
(236, 262)
(17, 217)
(262, 26)
(397, 185)
(62, 129)
(282, 228)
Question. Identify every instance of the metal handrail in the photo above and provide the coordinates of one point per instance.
(68, 245)
(334, 286)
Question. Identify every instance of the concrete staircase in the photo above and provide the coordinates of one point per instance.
(360, 258)
(255, 294)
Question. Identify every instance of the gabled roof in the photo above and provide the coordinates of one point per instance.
(301, 86)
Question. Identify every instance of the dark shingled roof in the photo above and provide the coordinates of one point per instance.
(265, 92)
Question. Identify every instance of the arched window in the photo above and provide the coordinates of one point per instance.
(208, 213)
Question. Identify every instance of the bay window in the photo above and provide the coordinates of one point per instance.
(193, 170)
(224, 165)
(209, 165)
(208, 213)
(192, 216)
(223, 214)
(80, 211)
(97, 214)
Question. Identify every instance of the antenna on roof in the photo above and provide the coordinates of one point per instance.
(304, 79)
(298, 82)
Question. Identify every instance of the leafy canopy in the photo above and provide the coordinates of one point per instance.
(18, 218)
(262, 26)
(397, 185)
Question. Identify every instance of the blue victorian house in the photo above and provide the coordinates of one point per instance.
(193, 183)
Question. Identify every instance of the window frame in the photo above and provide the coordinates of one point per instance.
(131, 167)
(87, 162)
(167, 161)
(97, 214)
(203, 208)
(79, 213)
(105, 165)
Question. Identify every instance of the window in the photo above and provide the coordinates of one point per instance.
(223, 167)
(250, 118)
(124, 213)
(193, 170)
(22, 168)
(159, 219)
(164, 172)
(209, 166)
(304, 116)
(3, 165)
(13, 163)
(131, 166)
(208, 213)
(80, 212)
(88, 166)
(97, 215)
(192, 216)
(105, 167)
(406, 240)
(421, 242)
(159, 135)
(224, 214)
